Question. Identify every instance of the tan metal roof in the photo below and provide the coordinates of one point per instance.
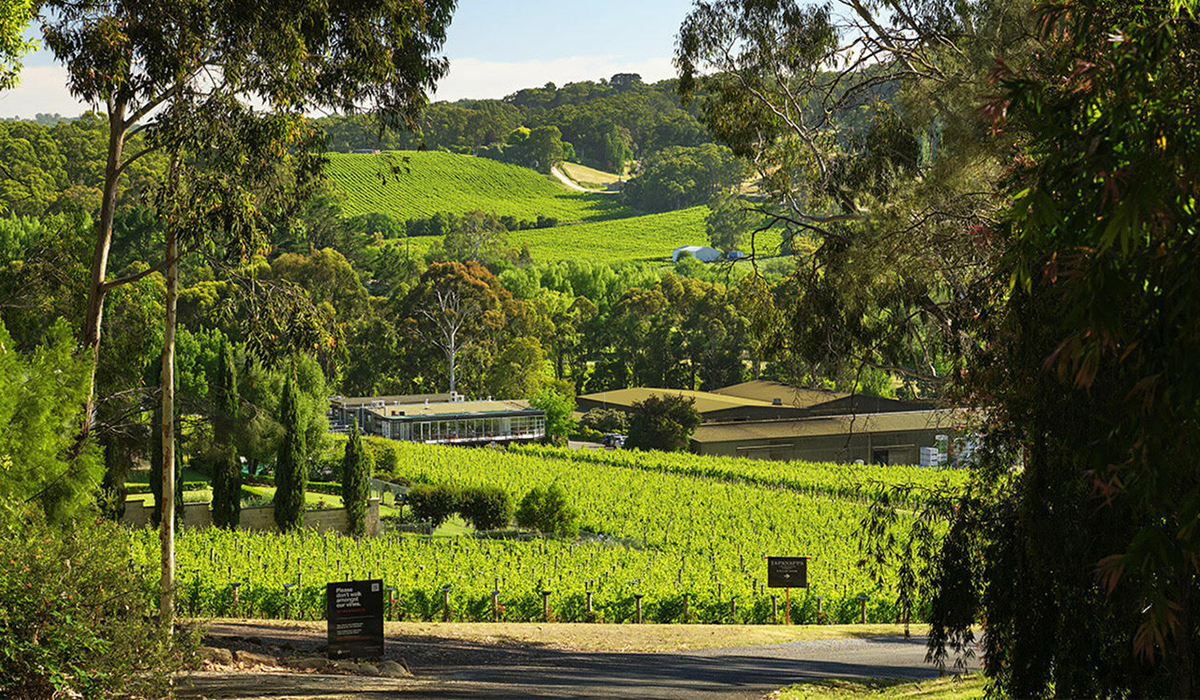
(356, 401)
(941, 419)
(767, 391)
(706, 402)
(449, 408)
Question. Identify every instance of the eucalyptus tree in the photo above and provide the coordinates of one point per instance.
(147, 63)
(860, 119)
(186, 73)
(14, 16)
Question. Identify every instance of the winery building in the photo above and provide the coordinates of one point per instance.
(441, 419)
(770, 420)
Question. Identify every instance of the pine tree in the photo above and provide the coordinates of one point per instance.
(227, 474)
(356, 481)
(291, 477)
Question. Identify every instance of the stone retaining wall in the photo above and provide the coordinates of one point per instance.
(137, 514)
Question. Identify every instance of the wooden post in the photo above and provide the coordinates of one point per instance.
(234, 585)
(775, 609)
(862, 602)
(391, 591)
(733, 608)
(687, 607)
(546, 605)
(820, 600)
(637, 599)
(446, 603)
(496, 604)
(287, 599)
(589, 602)
(787, 606)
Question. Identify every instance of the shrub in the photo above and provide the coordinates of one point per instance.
(433, 503)
(386, 461)
(548, 510)
(486, 507)
(605, 420)
(74, 622)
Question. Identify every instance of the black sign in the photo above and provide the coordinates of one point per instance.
(787, 572)
(355, 613)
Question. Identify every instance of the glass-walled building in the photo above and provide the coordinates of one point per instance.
(448, 421)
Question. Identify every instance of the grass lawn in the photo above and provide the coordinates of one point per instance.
(965, 687)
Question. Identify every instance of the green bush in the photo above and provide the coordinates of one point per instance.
(185, 486)
(548, 510)
(605, 420)
(433, 503)
(73, 622)
(486, 507)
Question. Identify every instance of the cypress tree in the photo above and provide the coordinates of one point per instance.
(356, 483)
(291, 477)
(227, 473)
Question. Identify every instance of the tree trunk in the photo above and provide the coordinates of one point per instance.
(450, 355)
(166, 602)
(104, 228)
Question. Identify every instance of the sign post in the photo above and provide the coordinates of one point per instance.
(355, 613)
(787, 573)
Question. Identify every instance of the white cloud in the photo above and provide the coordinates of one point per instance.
(42, 89)
(478, 79)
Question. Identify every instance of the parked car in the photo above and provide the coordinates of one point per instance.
(613, 440)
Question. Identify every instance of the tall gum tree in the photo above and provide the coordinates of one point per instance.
(184, 71)
(133, 57)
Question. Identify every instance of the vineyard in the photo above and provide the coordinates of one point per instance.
(427, 182)
(663, 534)
(853, 481)
(649, 238)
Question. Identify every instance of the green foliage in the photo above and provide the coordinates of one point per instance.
(486, 507)
(14, 16)
(356, 483)
(291, 469)
(227, 470)
(41, 395)
(662, 423)
(606, 420)
(729, 222)
(682, 176)
(427, 182)
(1091, 369)
(547, 509)
(433, 504)
(75, 622)
(558, 407)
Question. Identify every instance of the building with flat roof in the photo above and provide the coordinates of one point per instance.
(894, 437)
(442, 419)
(770, 420)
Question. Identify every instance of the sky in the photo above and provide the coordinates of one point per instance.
(495, 47)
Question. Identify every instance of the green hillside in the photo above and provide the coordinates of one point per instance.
(429, 182)
(649, 238)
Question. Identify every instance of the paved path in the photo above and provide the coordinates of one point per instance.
(748, 672)
(454, 668)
